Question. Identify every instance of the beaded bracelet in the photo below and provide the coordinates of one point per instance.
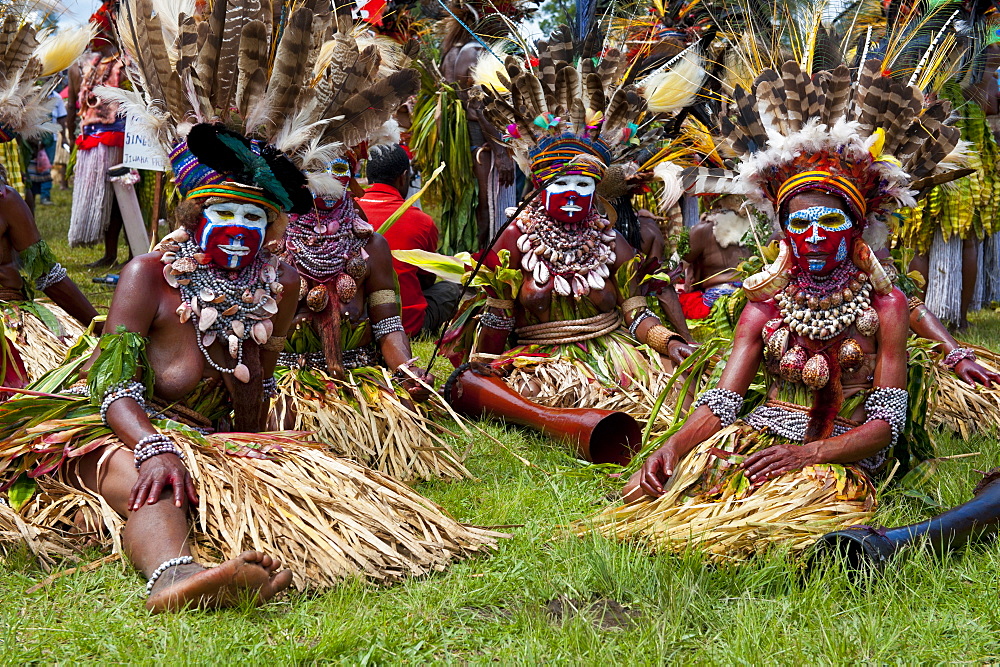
(154, 445)
(132, 389)
(54, 275)
(158, 572)
(724, 404)
(957, 355)
(389, 325)
(888, 404)
(498, 322)
(645, 313)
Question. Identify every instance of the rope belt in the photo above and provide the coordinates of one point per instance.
(569, 331)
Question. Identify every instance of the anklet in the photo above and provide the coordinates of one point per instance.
(173, 562)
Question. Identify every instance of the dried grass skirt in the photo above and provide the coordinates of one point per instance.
(960, 407)
(92, 193)
(709, 506)
(362, 418)
(327, 518)
(41, 346)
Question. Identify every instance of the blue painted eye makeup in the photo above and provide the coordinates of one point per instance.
(826, 218)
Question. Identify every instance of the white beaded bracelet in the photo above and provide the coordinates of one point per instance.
(166, 565)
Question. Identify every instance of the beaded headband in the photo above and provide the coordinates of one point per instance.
(587, 157)
(824, 181)
(189, 172)
(231, 190)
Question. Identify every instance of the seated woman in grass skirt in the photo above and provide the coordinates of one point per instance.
(332, 377)
(561, 309)
(825, 320)
(194, 322)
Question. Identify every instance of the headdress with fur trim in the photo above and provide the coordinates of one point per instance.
(872, 142)
(580, 108)
(303, 80)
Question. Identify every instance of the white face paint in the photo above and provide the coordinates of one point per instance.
(570, 197)
(232, 232)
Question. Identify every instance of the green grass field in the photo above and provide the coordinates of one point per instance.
(540, 598)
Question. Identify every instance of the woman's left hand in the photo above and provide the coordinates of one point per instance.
(678, 351)
(973, 373)
(417, 391)
(779, 459)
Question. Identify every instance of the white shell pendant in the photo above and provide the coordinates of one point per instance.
(561, 286)
(529, 261)
(238, 328)
(595, 281)
(259, 332)
(208, 339)
(541, 274)
(523, 243)
(580, 286)
(207, 319)
(234, 346)
(184, 312)
(241, 373)
(170, 277)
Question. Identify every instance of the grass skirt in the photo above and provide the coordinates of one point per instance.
(960, 407)
(709, 505)
(612, 372)
(42, 345)
(92, 193)
(326, 517)
(363, 418)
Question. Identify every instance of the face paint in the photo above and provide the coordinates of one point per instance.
(570, 198)
(340, 169)
(819, 236)
(231, 233)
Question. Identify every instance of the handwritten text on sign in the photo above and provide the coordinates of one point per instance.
(141, 152)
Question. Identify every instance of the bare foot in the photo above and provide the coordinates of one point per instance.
(251, 575)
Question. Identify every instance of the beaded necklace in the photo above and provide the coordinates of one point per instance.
(326, 245)
(820, 309)
(576, 256)
(228, 306)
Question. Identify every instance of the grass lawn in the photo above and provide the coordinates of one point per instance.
(543, 599)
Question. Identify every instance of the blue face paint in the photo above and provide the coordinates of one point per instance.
(842, 250)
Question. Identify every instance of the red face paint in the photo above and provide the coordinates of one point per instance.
(570, 198)
(232, 233)
(820, 238)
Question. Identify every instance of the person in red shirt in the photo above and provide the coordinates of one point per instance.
(427, 305)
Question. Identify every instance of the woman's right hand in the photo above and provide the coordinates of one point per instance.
(158, 473)
(657, 469)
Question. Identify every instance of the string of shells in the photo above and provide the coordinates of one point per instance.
(577, 257)
(825, 316)
(228, 306)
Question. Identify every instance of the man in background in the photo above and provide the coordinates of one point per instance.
(427, 305)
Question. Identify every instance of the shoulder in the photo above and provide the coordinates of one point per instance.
(288, 275)
(377, 246)
(894, 304)
(143, 269)
(508, 239)
(759, 312)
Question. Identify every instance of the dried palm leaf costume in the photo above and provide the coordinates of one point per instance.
(874, 143)
(327, 517)
(324, 93)
(41, 332)
(557, 319)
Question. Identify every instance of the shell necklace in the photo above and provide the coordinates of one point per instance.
(820, 310)
(326, 245)
(231, 306)
(577, 256)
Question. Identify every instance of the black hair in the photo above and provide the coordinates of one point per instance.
(386, 163)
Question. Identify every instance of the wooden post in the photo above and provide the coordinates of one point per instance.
(154, 221)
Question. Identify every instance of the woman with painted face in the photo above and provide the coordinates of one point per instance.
(348, 348)
(162, 448)
(559, 312)
(824, 320)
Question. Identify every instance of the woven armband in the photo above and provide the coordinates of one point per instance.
(502, 304)
(382, 297)
(659, 337)
(633, 303)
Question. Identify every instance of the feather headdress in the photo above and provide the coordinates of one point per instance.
(581, 107)
(25, 109)
(875, 142)
(295, 79)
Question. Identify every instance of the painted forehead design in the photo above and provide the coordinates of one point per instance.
(831, 219)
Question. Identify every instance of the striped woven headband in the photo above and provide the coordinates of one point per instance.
(827, 182)
(231, 190)
(550, 161)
